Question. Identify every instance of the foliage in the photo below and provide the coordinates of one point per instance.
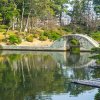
(2, 26)
(29, 38)
(11, 77)
(33, 15)
(14, 39)
(96, 50)
(81, 19)
(74, 42)
(96, 35)
(42, 38)
(74, 46)
(97, 96)
(97, 56)
(97, 6)
(1, 37)
(67, 28)
(59, 8)
(35, 35)
(53, 35)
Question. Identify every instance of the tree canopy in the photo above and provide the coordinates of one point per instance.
(24, 15)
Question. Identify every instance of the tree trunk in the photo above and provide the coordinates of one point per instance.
(27, 22)
(13, 24)
(60, 17)
(21, 26)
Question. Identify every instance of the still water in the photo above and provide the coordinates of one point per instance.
(46, 76)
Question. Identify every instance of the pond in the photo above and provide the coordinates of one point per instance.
(46, 76)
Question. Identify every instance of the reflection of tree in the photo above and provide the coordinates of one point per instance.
(97, 96)
(27, 76)
(95, 72)
(81, 73)
(34, 74)
(76, 89)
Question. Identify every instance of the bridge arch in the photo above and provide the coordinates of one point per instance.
(86, 42)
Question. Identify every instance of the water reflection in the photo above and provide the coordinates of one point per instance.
(40, 75)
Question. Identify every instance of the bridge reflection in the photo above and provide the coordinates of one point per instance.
(66, 59)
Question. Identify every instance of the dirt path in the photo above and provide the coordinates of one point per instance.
(36, 43)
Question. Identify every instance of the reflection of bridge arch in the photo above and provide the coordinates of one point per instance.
(68, 60)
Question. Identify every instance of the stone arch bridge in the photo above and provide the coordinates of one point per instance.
(86, 42)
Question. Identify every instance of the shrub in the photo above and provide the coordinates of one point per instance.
(14, 39)
(42, 38)
(96, 50)
(2, 38)
(79, 30)
(67, 28)
(74, 42)
(97, 96)
(3, 27)
(53, 35)
(29, 38)
(36, 35)
(75, 50)
(2, 30)
(96, 35)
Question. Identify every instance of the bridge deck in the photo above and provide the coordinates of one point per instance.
(93, 83)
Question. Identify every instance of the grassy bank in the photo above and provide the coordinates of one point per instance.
(15, 37)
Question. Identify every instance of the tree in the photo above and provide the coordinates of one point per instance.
(59, 8)
(9, 12)
(83, 16)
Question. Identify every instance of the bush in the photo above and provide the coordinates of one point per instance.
(97, 96)
(53, 35)
(14, 39)
(42, 38)
(36, 35)
(29, 38)
(96, 35)
(79, 30)
(3, 27)
(67, 28)
(74, 42)
(96, 50)
(2, 30)
(1, 38)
